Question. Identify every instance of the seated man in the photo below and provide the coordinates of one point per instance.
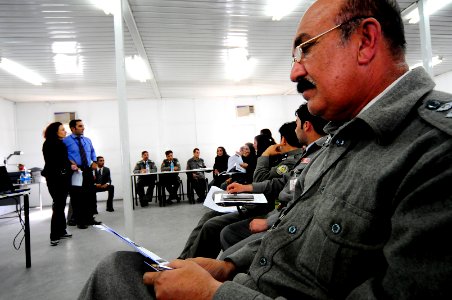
(204, 240)
(145, 166)
(197, 179)
(371, 210)
(103, 182)
(170, 181)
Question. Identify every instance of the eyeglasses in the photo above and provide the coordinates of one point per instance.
(298, 52)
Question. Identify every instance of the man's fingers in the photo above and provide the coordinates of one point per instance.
(150, 277)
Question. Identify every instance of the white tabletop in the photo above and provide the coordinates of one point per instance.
(172, 172)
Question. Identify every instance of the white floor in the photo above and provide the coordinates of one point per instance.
(60, 272)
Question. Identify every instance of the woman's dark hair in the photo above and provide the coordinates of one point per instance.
(224, 150)
(51, 132)
(252, 150)
(263, 142)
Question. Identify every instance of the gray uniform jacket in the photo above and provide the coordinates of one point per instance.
(264, 171)
(142, 165)
(193, 163)
(372, 211)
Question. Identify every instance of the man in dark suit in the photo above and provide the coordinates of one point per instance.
(103, 182)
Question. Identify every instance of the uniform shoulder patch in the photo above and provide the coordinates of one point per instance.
(438, 112)
(282, 169)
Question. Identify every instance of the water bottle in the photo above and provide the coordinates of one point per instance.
(147, 167)
(172, 166)
(27, 177)
(22, 177)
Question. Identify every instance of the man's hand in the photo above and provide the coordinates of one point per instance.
(258, 225)
(235, 188)
(98, 185)
(219, 269)
(273, 150)
(216, 172)
(143, 171)
(187, 280)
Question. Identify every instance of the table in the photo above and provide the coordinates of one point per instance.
(133, 178)
(26, 223)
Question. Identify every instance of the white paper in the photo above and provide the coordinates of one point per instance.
(235, 161)
(208, 202)
(77, 178)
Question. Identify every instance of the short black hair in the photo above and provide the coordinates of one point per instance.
(194, 150)
(99, 157)
(167, 152)
(73, 123)
(304, 115)
(387, 13)
(51, 131)
(143, 152)
(287, 130)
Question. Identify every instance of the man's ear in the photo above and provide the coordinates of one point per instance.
(283, 140)
(370, 37)
(307, 126)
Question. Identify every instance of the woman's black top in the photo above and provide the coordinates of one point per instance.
(221, 163)
(57, 164)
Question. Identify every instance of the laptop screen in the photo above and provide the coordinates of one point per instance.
(6, 184)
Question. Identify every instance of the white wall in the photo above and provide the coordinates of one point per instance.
(156, 126)
(7, 139)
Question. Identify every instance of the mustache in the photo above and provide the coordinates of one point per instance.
(304, 84)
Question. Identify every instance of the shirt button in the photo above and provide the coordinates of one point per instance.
(340, 142)
(336, 228)
(263, 261)
(292, 229)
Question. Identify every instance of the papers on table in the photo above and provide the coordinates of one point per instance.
(151, 259)
(209, 202)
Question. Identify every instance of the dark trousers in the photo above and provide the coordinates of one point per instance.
(171, 183)
(83, 199)
(111, 193)
(143, 181)
(199, 186)
(59, 192)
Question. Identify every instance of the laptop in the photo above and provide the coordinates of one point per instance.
(6, 184)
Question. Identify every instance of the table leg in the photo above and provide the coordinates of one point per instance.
(27, 232)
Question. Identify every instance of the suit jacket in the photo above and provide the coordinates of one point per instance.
(105, 178)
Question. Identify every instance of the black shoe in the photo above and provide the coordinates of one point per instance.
(71, 223)
(66, 235)
(110, 209)
(54, 242)
(169, 202)
(94, 222)
(200, 200)
(82, 226)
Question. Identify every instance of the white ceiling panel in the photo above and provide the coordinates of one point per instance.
(185, 42)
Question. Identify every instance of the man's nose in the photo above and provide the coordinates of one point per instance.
(298, 70)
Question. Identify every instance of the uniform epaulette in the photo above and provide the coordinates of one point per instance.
(438, 113)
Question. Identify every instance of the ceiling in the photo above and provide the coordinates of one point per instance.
(185, 43)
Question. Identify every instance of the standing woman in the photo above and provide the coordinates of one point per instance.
(57, 171)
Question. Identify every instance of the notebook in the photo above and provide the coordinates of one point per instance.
(6, 184)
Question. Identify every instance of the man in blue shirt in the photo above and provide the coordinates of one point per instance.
(83, 198)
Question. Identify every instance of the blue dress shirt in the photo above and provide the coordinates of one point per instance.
(74, 152)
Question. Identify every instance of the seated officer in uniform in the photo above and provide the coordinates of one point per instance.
(197, 179)
(103, 182)
(170, 181)
(373, 207)
(145, 166)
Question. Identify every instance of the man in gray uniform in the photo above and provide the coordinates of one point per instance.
(309, 131)
(372, 210)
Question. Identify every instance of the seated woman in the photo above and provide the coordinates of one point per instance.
(220, 165)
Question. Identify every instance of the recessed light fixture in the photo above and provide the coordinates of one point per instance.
(278, 9)
(239, 65)
(108, 6)
(21, 71)
(136, 68)
(411, 13)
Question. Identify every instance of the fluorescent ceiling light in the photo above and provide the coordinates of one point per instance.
(411, 13)
(108, 6)
(435, 61)
(137, 69)
(68, 64)
(238, 64)
(277, 9)
(21, 71)
(236, 40)
(65, 47)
